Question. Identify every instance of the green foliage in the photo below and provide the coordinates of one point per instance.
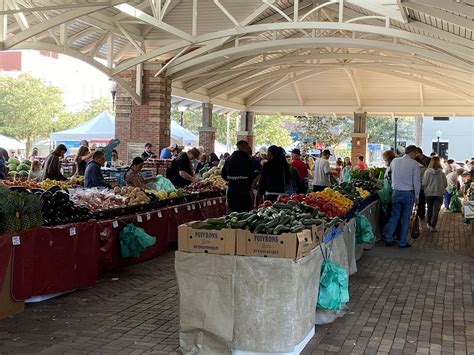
(382, 129)
(220, 122)
(27, 107)
(192, 118)
(91, 109)
(269, 130)
(329, 130)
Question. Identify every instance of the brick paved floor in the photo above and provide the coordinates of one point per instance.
(402, 301)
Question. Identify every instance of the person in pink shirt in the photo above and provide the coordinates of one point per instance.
(361, 165)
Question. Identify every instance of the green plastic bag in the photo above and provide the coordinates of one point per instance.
(333, 286)
(364, 232)
(455, 203)
(133, 241)
(162, 183)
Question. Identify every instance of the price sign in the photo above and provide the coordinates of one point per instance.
(72, 231)
(214, 202)
(115, 224)
(193, 206)
(160, 215)
(148, 216)
(16, 240)
(139, 219)
(175, 210)
(188, 208)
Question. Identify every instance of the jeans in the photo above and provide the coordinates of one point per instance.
(434, 205)
(402, 205)
(447, 199)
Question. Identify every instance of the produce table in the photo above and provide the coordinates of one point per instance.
(50, 260)
(244, 304)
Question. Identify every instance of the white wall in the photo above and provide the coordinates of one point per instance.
(458, 131)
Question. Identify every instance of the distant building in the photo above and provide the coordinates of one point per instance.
(456, 139)
(80, 82)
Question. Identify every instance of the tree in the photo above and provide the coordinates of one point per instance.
(28, 107)
(381, 130)
(192, 118)
(220, 123)
(269, 130)
(328, 130)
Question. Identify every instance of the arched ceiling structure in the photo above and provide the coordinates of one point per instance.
(410, 57)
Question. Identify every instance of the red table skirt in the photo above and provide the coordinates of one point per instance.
(55, 259)
(64, 258)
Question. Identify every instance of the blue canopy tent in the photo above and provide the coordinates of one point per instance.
(101, 127)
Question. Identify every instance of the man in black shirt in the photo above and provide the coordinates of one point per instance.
(148, 153)
(239, 172)
(181, 173)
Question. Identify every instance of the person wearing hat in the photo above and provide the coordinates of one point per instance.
(299, 165)
(322, 172)
(147, 153)
(167, 152)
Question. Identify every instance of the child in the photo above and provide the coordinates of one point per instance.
(35, 171)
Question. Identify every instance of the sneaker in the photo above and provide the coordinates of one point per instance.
(428, 226)
(407, 245)
(389, 244)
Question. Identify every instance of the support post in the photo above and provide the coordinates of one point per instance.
(207, 133)
(418, 131)
(395, 138)
(149, 122)
(359, 137)
(246, 132)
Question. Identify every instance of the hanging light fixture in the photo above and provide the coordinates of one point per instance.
(113, 91)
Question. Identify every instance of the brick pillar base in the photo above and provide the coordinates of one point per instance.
(359, 147)
(245, 136)
(207, 137)
(148, 122)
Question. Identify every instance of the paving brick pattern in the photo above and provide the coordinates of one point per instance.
(410, 301)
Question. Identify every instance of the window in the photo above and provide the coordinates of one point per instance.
(10, 61)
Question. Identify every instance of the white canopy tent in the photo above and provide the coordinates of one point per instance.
(285, 56)
(10, 143)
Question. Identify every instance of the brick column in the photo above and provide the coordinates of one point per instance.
(207, 133)
(246, 132)
(148, 122)
(359, 137)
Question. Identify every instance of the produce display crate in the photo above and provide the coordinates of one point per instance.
(195, 239)
(158, 166)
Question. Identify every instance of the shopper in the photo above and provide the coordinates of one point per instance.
(147, 154)
(83, 156)
(361, 164)
(93, 175)
(3, 164)
(300, 166)
(203, 163)
(322, 172)
(168, 152)
(181, 173)
(434, 185)
(388, 157)
(115, 159)
(52, 164)
(84, 143)
(337, 171)
(35, 171)
(406, 189)
(346, 170)
(276, 178)
(453, 183)
(34, 154)
(240, 174)
(132, 175)
(213, 160)
(449, 166)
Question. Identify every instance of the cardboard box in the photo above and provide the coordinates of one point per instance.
(287, 245)
(194, 240)
(8, 306)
